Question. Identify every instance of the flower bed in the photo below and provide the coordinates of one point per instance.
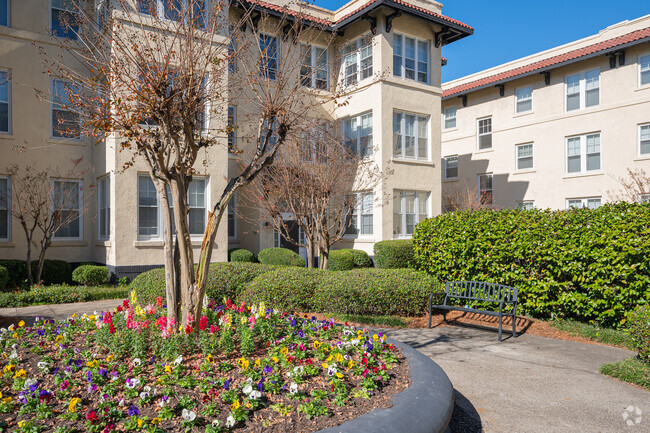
(248, 368)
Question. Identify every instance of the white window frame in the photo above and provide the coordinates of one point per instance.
(447, 117)
(416, 68)
(79, 209)
(523, 100)
(416, 130)
(206, 205)
(359, 119)
(480, 191)
(584, 202)
(263, 57)
(158, 234)
(51, 16)
(644, 58)
(104, 206)
(358, 211)
(526, 205)
(313, 67)
(160, 9)
(401, 194)
(479, 134)
(52, 108)
(8, 13)
(583, 154)
(640, 141)
(518, 158)
(582, 89)
(446, 168)
(356, 52)
(7, 207)
(8, 102)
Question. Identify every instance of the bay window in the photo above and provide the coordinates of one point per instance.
(358, 134)
(361, 216)
(357, 60)
(314, 71)
(409, 208)
(411, 58)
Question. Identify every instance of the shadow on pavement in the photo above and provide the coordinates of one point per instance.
(465, 418)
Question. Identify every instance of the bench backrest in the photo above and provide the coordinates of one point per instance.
(480, 291)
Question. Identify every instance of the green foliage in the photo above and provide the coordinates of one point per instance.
(630, 370)
(285, 288)
(54, 271)
(595, 332)
(225, 280)
(90, 275)
(582, 264)
(280, 257)
(61, 294)
(394, 254)
(17, 272)
(361, 259)
(4, 277)
(639, 325)
(347, 259)
(393, 321)
(240, 255)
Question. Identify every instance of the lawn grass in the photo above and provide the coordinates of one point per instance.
(614, 337)
(392, 321)
(631, 370)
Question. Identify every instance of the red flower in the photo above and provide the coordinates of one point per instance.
(111, 329)
(91, 416)
(159, 301)
(203, 323)
(213, 329)
(189, 329)
(125, 303)
(107, 318)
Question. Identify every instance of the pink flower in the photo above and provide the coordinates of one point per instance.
(251, 321)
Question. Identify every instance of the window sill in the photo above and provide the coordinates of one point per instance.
(527, 113)
(69, 243)
(642, 158)
(149, 244)
(7, 136)
(451, 179)
(578, 175)
(7, 244)
(642, 88)
(449, 130)
(413, 161)
(103, 244)
(485, 150)
(402, 236)
(527, 171)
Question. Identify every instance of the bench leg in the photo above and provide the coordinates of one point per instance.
(514, 324)
(430, 296)
(500, 322)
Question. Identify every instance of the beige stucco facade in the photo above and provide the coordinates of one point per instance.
(616, 119)
(125, 250)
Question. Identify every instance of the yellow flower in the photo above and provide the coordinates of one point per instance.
(325, 365)
(21, 424)
(359, 332)
(92, 364)
(20, 373)
(110, 357)
(156, 421)
(329, 358)
(21, 323)
(168, 368)
(257, 362)
(284, 350)
(248, 405)
(9, 368)
(210, 358)
(58, 338)
(72, 407)
(139, 311)
(244, 363)
(275, 359)
(383, 338)
(140, 422)
(7, 400)
(74, 315)
(235, 405)
(0, 394)
(134, 297)
(84, 317)
(339, 357)
(243, 321)
(375, 337)
(317, 344)
(288, 359)
(4, 355)
(339, 375)
(92, 317)
(16, 336)
(351, 364)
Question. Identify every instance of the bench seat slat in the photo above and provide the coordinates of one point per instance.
(470, 310)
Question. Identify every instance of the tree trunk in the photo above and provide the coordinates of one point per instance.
(310, 253)
(324, 257)
(171, 288)
(41, 259)
(30, 278)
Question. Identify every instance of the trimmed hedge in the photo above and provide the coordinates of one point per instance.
(583, 264)
(280, 257)
(347, 259)
(359, 291)
(225, 280)
(17, 272)
(4, 277)
(394, 254)
(90, 275)
(240, 255)
(54, 271)
(639, 324)
(61, 294)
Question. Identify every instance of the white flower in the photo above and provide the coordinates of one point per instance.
(42, 365)
(137, 362)
(132, 383)
(121, 402)
(144, 395)
(30, 382)
(178, 360)
(230, 421)
(331, 371)
(255, 395)
(247, 389)
(293, 388)
(216, 423)
(11, 327)
(161, 403)
(299, 369)
(188, 415)
(13, 355)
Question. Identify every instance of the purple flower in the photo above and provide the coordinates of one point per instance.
(103, 371)
(33, 387)
(89, 376)
(260, 385)
(226, 384)
(284, 387)
(301, 334)
(133, 411)
(153, 359)
(64, 385)
(92, 388)
(293, 323)
(268, 369)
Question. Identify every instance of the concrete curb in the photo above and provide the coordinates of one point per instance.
(424, 407)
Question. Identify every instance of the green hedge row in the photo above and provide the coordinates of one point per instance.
(583, 264)
(639, 325)
(61, 294)
(280, 257)
(54, 272)
(394, 254)
(347, 259)
(90, 275)
(240, 255)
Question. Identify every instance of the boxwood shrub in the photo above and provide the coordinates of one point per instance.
(280, 257)
(61, 294)
(394, 254)
(583, 264)
(54, 271)
(225, 280)
(240, 255)
(4, 277)
(17, 272)
(346, 259)
(639, 325)
(90, 275)
(285, 288)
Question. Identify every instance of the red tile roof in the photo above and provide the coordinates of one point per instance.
(557, 60)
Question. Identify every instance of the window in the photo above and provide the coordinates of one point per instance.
(65, 122)
(357, 60)
(451, 167)
(66, 208)
(173, 10)
(314, 70)
(147, 207)
(524, 99)
(269, 56)
(232, 49)
(411, 58)
(5, 209)
(232, 128)
(232, 217)
(358, 134)
(5, 102)
(4, 12)
(644, 139)
(485, 189)
(485, 133)
(450, 117)
(104, 208)
(409, 208)
(196, 205)
(410, 136)
(524, 156)
(577, 203)
(526, 205)
(361, 219)
(583, 153)
(644, 70)
(65, 18)
(643, 198)
(583, 90)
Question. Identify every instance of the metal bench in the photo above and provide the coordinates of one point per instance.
(479, 291)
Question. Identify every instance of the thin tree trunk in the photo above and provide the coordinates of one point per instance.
(41, 259)
(324, 257)
(168, 243)
(30, 277)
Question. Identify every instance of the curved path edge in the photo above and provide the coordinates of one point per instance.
(424, 407)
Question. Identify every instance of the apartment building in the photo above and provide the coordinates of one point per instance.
(556, 129)
(392, 54)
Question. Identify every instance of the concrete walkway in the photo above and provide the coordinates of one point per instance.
(525, 384)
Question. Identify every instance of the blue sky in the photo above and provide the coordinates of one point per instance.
(506, 30)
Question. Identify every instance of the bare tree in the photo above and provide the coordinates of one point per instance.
(634, 188)
(46, 203)
(462, 196)
(158, 76)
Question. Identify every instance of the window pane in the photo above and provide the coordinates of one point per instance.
(4, 86)
(397, 134)
(269, 56)
(409, 58)
(196, 193)
(423, 62)
(592, 97)
(409, 136)
(451, 167)
(64, 19)
(524, 150)
(397, 55)
(573, 102)
(196, 218)
(573, 164)
(450, 118)
(423, 140)
(523, 106)
(593, 203)
(397, 213)
(4, 17)
(305, 65)
(645, 139)
(365, 142)
(485, 141)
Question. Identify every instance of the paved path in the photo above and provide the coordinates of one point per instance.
(528, 384)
